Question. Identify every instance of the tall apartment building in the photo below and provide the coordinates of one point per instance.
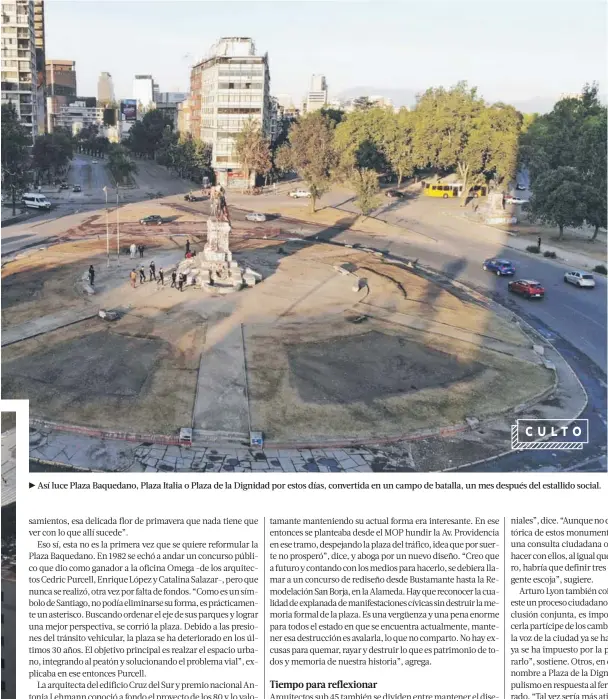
(229, 87)
(105, 88)
(143, 93)
(18, 48)
(317, 95)
(61, 78)
(40, 64)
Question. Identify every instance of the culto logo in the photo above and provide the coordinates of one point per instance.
(564, 435)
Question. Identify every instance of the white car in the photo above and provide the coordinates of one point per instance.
(300, 193)
(255, 217)
(516, 200)
(580, 279)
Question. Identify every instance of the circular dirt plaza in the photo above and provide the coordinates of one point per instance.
(333, 344)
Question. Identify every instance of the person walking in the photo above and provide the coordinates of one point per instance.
(187, 246)
(92, 275)
(161, 277)
(142, 274)
(173, 280)
(181, 281)
(133, 250)
(133, 277)
(152, 271)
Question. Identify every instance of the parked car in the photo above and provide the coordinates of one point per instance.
(63, 185)
(516, 200)
(152, 220)
(394, 194)
(527, 288)
(76, 188)
(520, 187)
(191, 197)
(499, 267)
(256, 217)
(300, 193)
(580, 279)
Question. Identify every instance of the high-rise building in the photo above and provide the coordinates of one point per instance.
(317, 95)
(105, 88)
(40, 64)
(61, 78)
(75, 116)
(143, 93)
(19, 76)
(226, 89)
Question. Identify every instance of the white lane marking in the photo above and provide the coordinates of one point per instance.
(580, 313)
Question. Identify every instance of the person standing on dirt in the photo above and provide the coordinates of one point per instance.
(152, 271)
(92, 275)
(161, 277)
(141, 251)
(133, 277)
(142, 274)
(173, 280)
(182, 276)
(133, 250)
(187, 246)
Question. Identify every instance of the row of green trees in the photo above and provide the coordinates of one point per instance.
(565, 153)
(455, 131)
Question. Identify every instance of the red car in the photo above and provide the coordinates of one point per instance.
(527, 288)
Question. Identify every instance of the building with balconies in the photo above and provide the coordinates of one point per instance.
(227, 88)
(18, 48)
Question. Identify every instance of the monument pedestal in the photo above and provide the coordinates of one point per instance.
(215, 270)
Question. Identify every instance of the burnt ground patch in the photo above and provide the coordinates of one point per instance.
(101, 363)
(369, 367)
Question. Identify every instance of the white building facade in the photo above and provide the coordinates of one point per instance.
(77, 115)
(227, 89)
(317, 95)
(19, 75)
(143, 93)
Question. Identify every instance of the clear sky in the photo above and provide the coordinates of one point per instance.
(513, 50)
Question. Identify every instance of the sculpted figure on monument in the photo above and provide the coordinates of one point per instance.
(219, 208)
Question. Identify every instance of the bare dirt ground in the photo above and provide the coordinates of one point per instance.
(323, 361)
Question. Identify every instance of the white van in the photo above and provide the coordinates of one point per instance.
(36, 201)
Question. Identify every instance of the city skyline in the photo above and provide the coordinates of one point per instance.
(352, 47)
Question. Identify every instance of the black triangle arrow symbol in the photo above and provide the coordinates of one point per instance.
(32, 485)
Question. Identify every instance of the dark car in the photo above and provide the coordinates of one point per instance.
(394, 194)
(63, 185)
(76, 188)
(499, 267)
(527, 288)
(151, 220)
(191, 197)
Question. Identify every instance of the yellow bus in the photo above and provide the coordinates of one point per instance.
(446, 191)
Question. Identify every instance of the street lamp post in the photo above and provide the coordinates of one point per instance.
(117, 230)
(105, 189)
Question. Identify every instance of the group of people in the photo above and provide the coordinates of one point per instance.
(177, 279)
(134, 249)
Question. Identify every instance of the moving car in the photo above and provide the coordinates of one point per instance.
(63, 185)
(300, 193)
(580, 279)
(76, 188)
(34, 200)
(516, 200)
(499, 267)
(191, 197)
(520, 187)
(394, 194)
(153, 219)
(94, 162)
(527, 288)
(256, 217)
